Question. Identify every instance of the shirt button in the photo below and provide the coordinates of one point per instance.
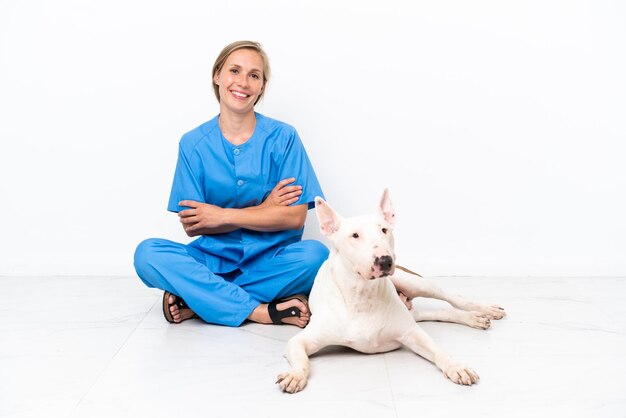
(239, 182)
(236, 151)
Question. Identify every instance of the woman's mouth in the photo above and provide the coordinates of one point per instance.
(239, 95)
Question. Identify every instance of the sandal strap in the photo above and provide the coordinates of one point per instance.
(183, 305)
(180, 303)
(277, 316)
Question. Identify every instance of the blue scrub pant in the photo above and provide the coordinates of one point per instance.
(228, 299)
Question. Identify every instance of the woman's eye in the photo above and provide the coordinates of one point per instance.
(234, 71)
(355, 235)
(384, 230)
(255, 76)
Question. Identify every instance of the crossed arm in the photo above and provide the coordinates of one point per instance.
(273, 214)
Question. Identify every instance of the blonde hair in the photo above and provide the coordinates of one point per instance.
(229, 49)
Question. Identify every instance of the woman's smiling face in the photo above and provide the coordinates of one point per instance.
(240, 80)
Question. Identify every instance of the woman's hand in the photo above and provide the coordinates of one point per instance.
(201, 217)
(282, 194)
(273, 214)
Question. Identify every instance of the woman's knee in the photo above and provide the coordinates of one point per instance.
(145, 255)
(316, 254)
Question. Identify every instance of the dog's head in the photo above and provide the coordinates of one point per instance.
(365, 242)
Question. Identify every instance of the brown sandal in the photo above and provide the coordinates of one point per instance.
(178, 302)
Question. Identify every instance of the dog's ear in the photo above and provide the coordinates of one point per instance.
(328, 219)
(386, 208)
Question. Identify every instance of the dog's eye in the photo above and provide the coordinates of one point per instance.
(384, 230)
(355, 235)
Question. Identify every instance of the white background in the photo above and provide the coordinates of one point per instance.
(498, 126)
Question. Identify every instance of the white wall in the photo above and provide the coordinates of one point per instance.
(497, 125)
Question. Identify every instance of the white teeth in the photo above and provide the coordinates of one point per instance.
(236, 93)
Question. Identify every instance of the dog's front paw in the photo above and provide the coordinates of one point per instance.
(461, 375)
(291, 382)
(493, 311)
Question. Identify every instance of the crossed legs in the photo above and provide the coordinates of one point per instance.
(228, 299)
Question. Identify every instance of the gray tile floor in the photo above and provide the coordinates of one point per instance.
(99, 347)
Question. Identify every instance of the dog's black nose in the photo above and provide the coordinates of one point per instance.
(385, 262)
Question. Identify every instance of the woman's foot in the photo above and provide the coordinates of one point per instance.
(175, 309)
(288, 307)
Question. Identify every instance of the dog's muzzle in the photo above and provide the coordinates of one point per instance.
(383, 266)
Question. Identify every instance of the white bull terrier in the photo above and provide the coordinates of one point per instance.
(354, 301)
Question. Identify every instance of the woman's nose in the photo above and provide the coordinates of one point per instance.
(242, 80)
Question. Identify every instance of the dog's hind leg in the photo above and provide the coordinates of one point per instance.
(415, 286)
(473, 319)
(299, 348)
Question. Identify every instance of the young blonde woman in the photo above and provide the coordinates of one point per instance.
(243, 185)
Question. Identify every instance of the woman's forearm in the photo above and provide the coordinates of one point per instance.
(209, 231)
(266, 219)
(256, 218)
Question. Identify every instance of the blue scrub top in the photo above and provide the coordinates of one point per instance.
(212, 170)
